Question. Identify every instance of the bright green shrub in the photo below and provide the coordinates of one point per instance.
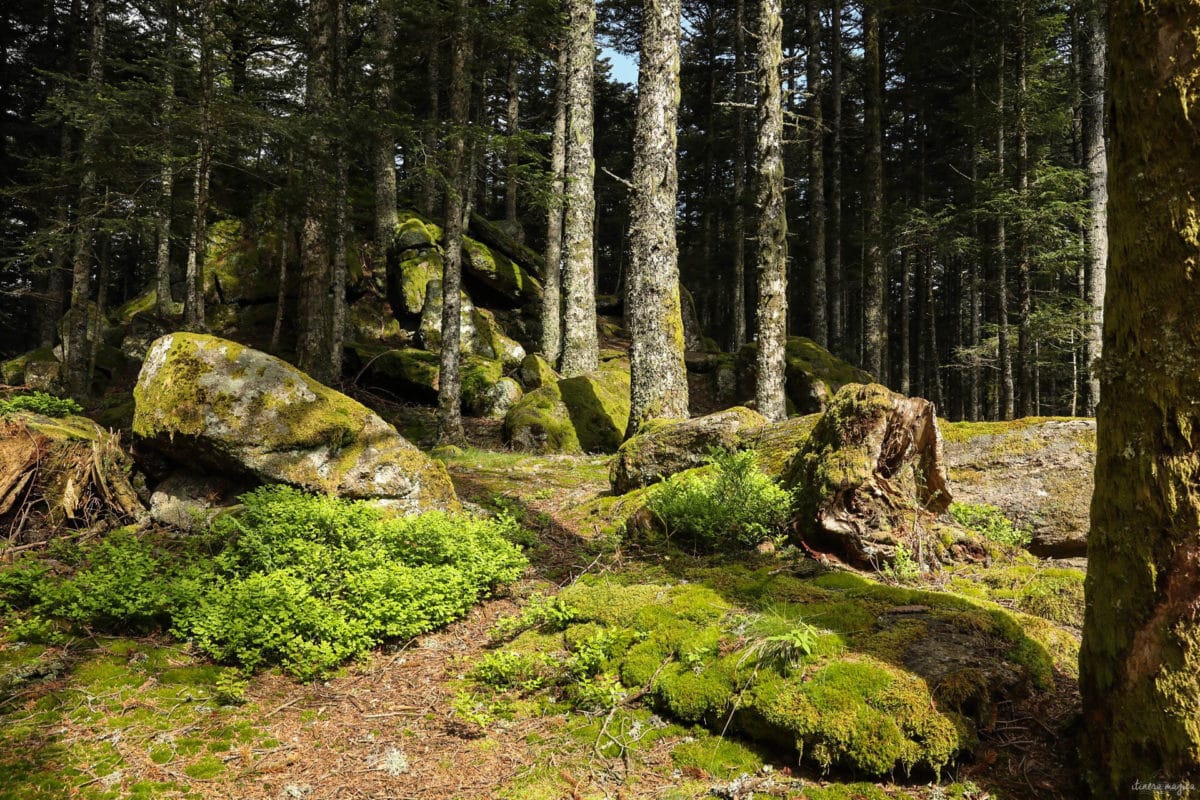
(732, 505)
(295, 579)
(40, 403)
(990, 523)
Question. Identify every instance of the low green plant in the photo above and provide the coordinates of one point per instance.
(294, 579)
(776, 640)
(903, 569)
(505, 669)
(40, 403)
(547, 613)
(990, 523)
(732, 505)
(230, 687)
(597, 693)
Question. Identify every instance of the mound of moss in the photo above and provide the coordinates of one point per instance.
(843, 672)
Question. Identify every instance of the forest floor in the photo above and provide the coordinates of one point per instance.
(104, 717)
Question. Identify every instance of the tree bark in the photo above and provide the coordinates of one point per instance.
(166, 186)
(337, 300)
(905, 323)
(874, 332)
(193, 304)
(818, 300)
(449, 417)
(1140, 656)
(552, 285)
(513, 113)
(1024, 277)
(429, 184)
(739, 179)
(78, 342)
(1006, 372)
(580, 346)
(772, 217)
(385, 143)
(1096, 164)
(316, 278)
(837, 331)
(658, 377)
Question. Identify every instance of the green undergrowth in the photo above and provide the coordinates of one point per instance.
(293, 579)
(845, 673)
(40, 403)
(989, 522)
(82, 719)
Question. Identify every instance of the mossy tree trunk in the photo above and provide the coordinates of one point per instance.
(78, 341)
(818, 299)
(1140, 656)
(449, 417)
(836, 324)
(512, 167)
(580, 346)
(193, 302)
(166, 184)
(1003, 340)
(432, 123)
(873, 274)
(658, 377)
(552, 285)
(772, 217)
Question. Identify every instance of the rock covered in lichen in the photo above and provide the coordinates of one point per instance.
(584, 414)
(206, 401)
(813, 375)
(535, 372)
(665, 447)
(479, 332)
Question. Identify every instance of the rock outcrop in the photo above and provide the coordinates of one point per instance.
(584, 414)
(1038, 471)
(208, 402)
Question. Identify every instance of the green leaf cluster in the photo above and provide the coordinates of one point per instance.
(732, 505)
(40, 403)
(989, 522)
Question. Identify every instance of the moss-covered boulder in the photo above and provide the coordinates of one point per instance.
(584, 414)
(778, 442)
(478, 376)
(206, 401)
(535, 372)
(411, 277)
(480, 334)
(869, 477)
(504, 277)
(415, 232)
(408, 373)
(813, 375)
(665, 447)
(693, 335)
(15, 369)
(499, 398)
(369, 319)
(1038, 471)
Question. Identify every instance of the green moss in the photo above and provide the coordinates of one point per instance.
(961, 432)
(499, 272)
(540, 422)
(205, 768)
(535, 372)
(415, 274)
(598, 405)
(13, 370)
(477, 376)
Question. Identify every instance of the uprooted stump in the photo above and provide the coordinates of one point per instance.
(871, 480)
(56, 472)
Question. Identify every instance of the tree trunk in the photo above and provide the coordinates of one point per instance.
(905, 323)
(166, 186)
(193, 304)
(552, 285)
(429, 184)
(316, 279)
(1024, 278)
(385, 143)
(1096, 163)
(449, 417)
(837, 326)
(1006, 372)
(658, 377)
(974, 404)
(873, 277)
(739, 179)
(818, 300)
(580, 346)
(772, 217)
(513, 111)
(78, 342)
(285, 234)
(337, 300)
(1140, 656)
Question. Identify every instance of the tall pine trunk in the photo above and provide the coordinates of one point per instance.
(449, 416)
(552, 285)
(166, 184)
(873, 274)
(738, 326)
(837, 326)
(1095, 161)
(337, 267)
(772, 217)
(658, 377)
(1024, 276)
(193, 303)
(385, 142)
(80, 318)
(513, 118)
(312, 345)
(1006, 372)
(818, 300)
(1140, 656)
(580, 352)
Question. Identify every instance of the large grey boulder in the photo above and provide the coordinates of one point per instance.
(210, 402)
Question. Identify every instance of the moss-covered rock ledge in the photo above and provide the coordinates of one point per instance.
(205, 401)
